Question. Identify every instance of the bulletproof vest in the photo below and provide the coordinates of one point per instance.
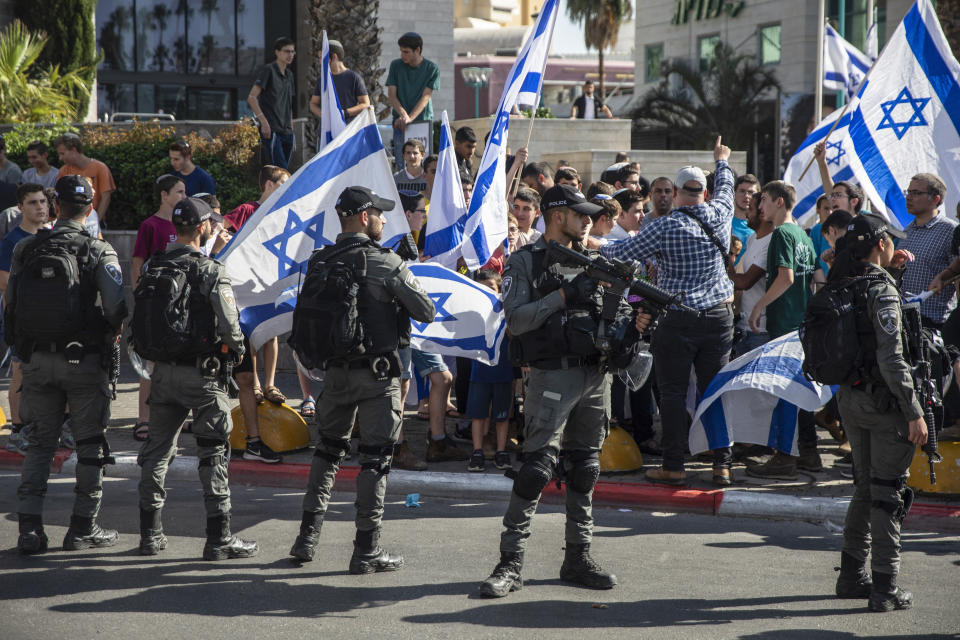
(568, 332)
(57, 302)
(386, 321)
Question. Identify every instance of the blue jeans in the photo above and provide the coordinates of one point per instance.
(749, 342)
(279, 146)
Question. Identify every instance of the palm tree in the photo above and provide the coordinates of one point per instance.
(949, 13)
(601, 25)
(692, 108)
(353, 23)
(31, 94)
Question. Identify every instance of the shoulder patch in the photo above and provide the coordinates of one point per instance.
(505, 285)
(113, 270)
(411, 281)
(226, 294)
(888, 299)
(888, 320)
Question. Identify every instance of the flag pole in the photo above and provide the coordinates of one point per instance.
(516, 179)
(818, 91)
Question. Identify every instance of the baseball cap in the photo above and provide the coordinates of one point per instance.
(191, 212)
(691, 174)
(74, 189)
(869, 226)
(354, 200)
(563, 195)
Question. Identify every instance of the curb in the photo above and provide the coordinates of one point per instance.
(734, 503)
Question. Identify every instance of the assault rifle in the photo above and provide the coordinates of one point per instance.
(923, 382)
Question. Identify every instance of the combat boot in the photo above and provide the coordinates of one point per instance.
(152, 540)
(580, 568)
(84, 533)
(809, 459)
(886, 595)
(505, 577)
(853, 581)
(369, 557)
(222, 545)
(32, 539)
(305, 545)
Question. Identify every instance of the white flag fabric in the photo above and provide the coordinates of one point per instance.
(873, 42)
(267, 257)
(486, 224)
(331, 114)
(469, 321)
(448, 208)
(844, 66)
(755, 399)
(907, 120)
(838, 153)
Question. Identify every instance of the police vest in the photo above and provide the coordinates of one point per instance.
(568, 332)
(386, 321)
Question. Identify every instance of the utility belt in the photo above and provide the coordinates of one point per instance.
(566, 362)
(209, 364)
(73, 351)
(382, 367)
(879, 392)
(694, 313)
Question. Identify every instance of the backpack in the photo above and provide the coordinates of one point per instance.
(52, 286)
(172, 319)
(326, 320)
(836, 335)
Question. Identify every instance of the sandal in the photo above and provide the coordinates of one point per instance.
(308, 408)
(273, 394)
(258, 395)
(141, 431)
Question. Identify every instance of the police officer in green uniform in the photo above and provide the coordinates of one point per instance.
(365, 388)
(65, 310)
(197, 382)
(882, 418)
(551, 312)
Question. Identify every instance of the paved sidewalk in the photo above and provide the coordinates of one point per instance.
(819, 497)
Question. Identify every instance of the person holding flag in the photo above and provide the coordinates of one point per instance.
(340, 93)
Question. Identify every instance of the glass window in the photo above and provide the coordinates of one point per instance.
(212, 34)
(171, 98)
(250, 36)
(706, 47)
(114, 98)
(654, 57)
(115, 33)
(769, 46)
(209, 104)
(161, 36)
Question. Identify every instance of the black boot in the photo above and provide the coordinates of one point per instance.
(369, 557)
(853, 581)
(221, 544)
(580, 568)
(505, 577)
(32, 539)
(886, 595)
(84, 533)
(152, 540)
(306, 543)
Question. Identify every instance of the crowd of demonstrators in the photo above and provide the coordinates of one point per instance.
(589, 106)
(271, 99)
(349, 86)
(411, 81)
(195, 179)
(74, 162)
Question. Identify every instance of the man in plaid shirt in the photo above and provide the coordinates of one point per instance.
(689, 262)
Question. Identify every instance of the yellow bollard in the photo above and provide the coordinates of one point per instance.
(282, 428)
(619, 453)
(948, 471)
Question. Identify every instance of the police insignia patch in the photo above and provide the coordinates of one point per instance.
(226, 292)
(505, 286)
(412, 282)
(888, 320)
(114, 272)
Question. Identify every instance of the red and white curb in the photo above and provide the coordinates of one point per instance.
(738, 503)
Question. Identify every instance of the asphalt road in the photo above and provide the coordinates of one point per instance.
(681, 576)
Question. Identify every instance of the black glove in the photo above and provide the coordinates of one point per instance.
(580, 289)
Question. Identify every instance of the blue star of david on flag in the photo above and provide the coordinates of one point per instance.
(443, 315)
(840, 152)
(916, 118)
(277, 245)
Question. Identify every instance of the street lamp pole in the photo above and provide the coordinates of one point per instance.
(475, 78)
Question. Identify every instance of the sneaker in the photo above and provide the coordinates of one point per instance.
(476, 461)
(502, 460)
(258, 450)
(23, 442)
(844, 461)
(66, 434)
(444, 451)
(403, 458)
(13, 442)
(463, 432)
(664, 476)
(779, 467)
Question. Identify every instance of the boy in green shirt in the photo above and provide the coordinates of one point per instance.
(411, 81)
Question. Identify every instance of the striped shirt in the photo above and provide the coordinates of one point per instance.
(931, 246)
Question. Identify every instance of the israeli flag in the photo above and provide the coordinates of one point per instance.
(486, 224)
(448, 209)
(844, 66)
(469, 321)
(838, 153)
(755, 399)
(331, 114)
(267, 258)
(873, 42)
(907, 120)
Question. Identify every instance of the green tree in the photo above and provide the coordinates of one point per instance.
(601, 26)
(30, 92)
(949, 13)
(72, 42)
(693, 108)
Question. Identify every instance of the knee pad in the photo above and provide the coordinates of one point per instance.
(220, 454)
(582, 470)
(905, 495)
(101, 459)
(381, 463)
(331, 449)
(534, 474)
